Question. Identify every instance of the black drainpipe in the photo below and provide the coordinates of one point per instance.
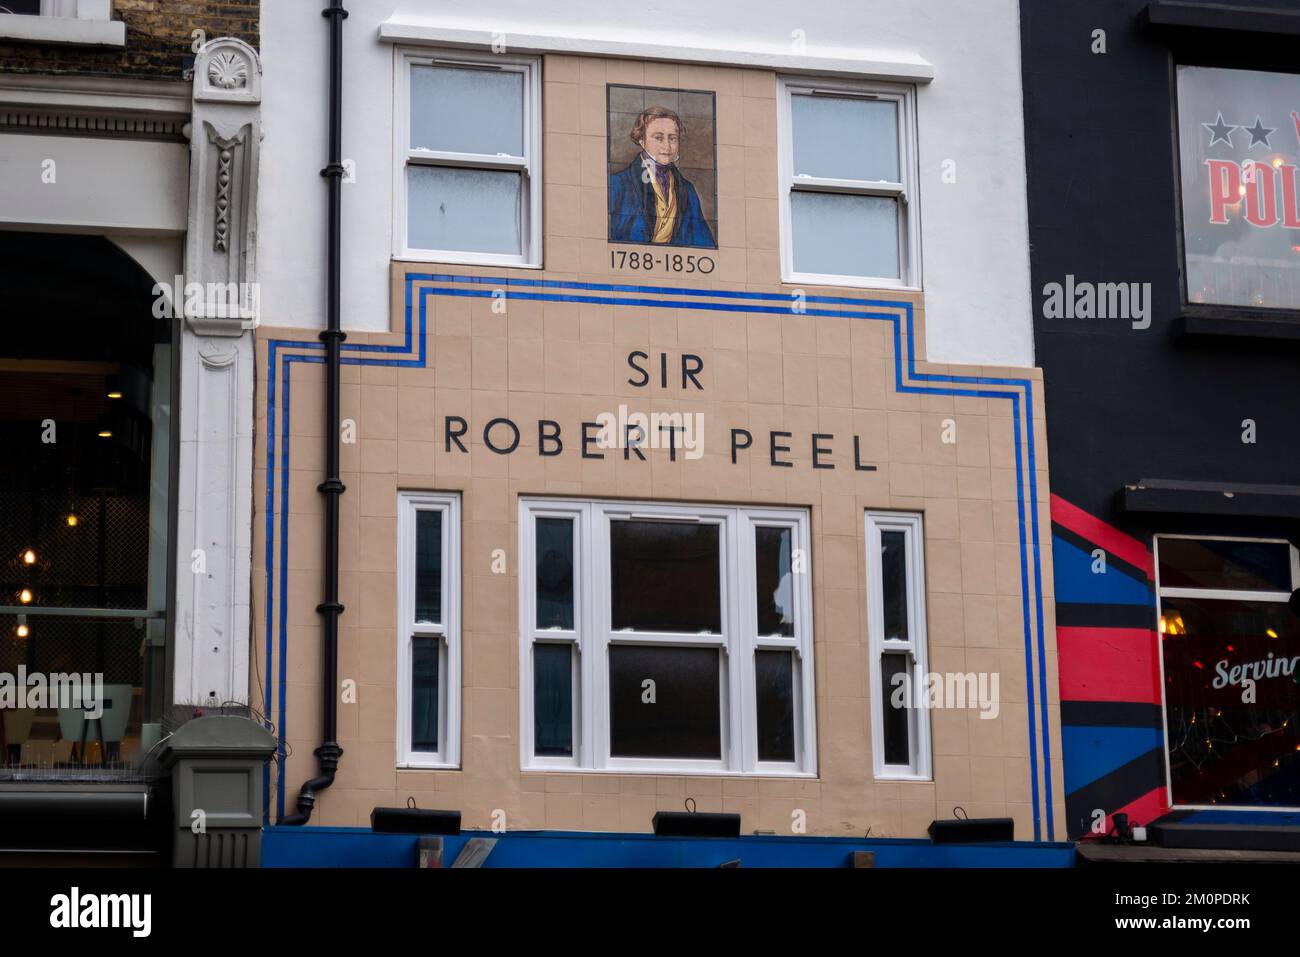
(329, 752)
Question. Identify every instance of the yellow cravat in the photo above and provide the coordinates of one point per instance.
(665, 210)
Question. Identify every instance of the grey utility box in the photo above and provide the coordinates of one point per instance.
(216, 770)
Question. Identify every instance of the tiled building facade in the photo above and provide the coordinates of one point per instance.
(816, 401)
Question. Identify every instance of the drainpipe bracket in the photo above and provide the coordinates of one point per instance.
(329, 754)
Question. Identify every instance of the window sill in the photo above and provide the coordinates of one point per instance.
(74, 32)
(848, 282)
(430, 766)
(675, 772)
(913, 778)
(1253, 325)
(452, 259)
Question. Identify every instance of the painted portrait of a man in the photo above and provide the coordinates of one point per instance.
(653, 196)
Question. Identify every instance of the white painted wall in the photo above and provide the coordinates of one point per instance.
(974, 232)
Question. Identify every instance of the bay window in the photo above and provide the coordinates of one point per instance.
(665, 638)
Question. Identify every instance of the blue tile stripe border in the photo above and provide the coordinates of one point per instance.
(283, 354)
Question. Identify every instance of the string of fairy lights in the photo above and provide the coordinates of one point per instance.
(29, 563)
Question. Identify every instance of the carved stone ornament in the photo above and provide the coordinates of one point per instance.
(227, 69)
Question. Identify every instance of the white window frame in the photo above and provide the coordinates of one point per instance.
(529, 165)
(909, 220)
(449, 664)
(76, 9)
(916, 647)
(737, 644)
(74, 22)
(1223, 594)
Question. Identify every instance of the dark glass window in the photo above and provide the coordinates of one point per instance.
(774, 582)
(553, 700)
(28, 7)
(1223, 749)
(428, 566)
(665, 576)
(774, 690)
(896, 720)
(664, 702)
(1238, 158)
(555, 573)
(893, 578)
(1230, 565)
(425, 653)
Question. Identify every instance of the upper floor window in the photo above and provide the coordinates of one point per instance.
(468, 187)
(1239, 138)
(848, 205)
(76, 22)
(665, 638)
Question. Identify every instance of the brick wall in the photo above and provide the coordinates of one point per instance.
(159, 42)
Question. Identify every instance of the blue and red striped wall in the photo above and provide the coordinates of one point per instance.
(1112, 735)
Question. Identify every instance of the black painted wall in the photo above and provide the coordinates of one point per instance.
(1124, 404)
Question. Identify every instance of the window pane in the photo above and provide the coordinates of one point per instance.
(845, 137)
(428, 566)
(895, 670)
(678, 715)
(1203, 563)
(665, 576)
(774, 581)
(842, 235)
(774, 688)
(1238, 217)
(893, 578)
(466, 210)
(424, 693)
(467, 111)
(555, 573)
(553, 700)
(1223, 749)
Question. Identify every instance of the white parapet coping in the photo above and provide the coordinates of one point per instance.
(874, 64)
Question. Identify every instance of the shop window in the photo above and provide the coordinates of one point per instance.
(666, 638)
(1230, 654)
(85, 420)
(900, 728)
(848, 205)
(469, 185)
(429, 652)
(1239, 154)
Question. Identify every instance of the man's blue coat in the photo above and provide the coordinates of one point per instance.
(632, 210)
